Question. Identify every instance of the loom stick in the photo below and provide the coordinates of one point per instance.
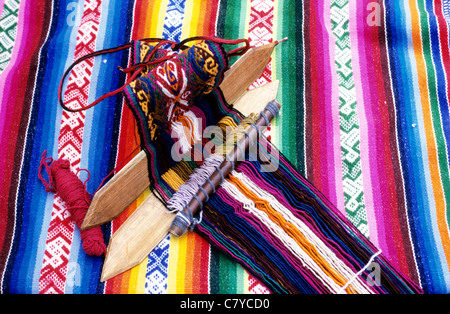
(137, 237)
(225, 168)
(151, 222)
(115, 196)
(131, 181)
(254, 61)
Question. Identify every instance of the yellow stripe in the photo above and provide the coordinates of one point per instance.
(246, 284)
(155, 23)
(187, 21)
(161, 18)
(176, 269)
(196, 16)
(137, 278)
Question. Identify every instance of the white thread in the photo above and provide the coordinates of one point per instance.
(280, 234)
(321, 247)
(184, 133)
(196, 179)
(360, 272)
(178, 132)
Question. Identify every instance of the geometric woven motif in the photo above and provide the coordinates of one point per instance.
(173, 22)
(260, 32)
(256, 287)
(157, 265)
(348, 118)
(61, 228)
(8, 30)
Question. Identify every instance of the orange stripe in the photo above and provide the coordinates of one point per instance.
(139, 19)
(201, 31)
(429, 133)
(293, 232)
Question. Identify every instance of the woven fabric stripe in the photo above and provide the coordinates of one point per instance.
(348, 117)
(16, 110)
(61, 228)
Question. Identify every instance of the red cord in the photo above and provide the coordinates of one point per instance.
(140, 66)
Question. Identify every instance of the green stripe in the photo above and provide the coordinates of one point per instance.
(434, 103)
(234, 24)
(226, 276)
(223, 273)
(214, 267)
(227, 272)
(289, 70)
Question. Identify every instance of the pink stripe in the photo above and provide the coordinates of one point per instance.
(17, 57)
(328, 95)
(377, 167)
(372, 154)
(371, 142)
(323, 100)
(8, 95)
(2, 4)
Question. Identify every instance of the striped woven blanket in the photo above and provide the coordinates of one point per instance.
(365, 118)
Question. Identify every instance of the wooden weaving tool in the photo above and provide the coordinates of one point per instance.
(151, 221)
(179, 225)
(132, 180)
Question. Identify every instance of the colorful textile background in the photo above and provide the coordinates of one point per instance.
(365, 118)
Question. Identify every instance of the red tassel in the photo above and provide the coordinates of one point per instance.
(70, 188)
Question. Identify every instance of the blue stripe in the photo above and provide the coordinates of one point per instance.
(102, 125)
(420, 118)
(441, 83)
(406, 141)
(34, 205)
(439, 98)
(421, 211)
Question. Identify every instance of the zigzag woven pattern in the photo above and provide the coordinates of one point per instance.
(61, 228)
